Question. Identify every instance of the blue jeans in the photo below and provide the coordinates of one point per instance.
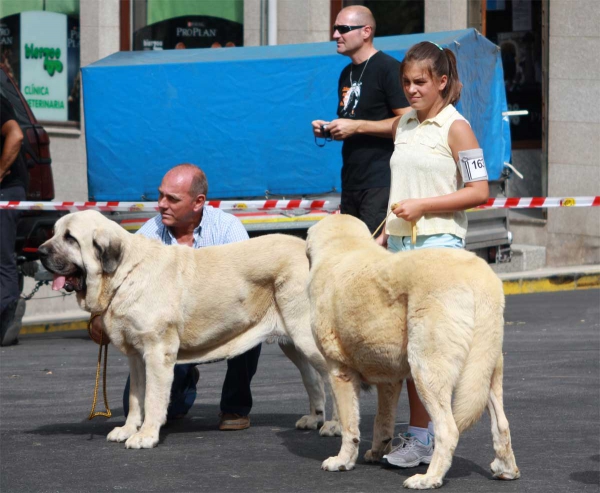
(236, 396)
(404, 243)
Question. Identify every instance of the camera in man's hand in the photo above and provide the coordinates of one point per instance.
(325, 135)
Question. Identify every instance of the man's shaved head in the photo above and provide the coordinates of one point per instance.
(359, 15)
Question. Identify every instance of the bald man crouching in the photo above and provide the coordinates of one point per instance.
(185, 219)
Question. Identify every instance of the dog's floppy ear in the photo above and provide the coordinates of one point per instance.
(108, 250)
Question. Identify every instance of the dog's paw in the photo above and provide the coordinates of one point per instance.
(331, 429)
(121, 433)
(501, 470)
(142, 440)
(309, 422)
(337, 464)
(422, 482)
(373, 455)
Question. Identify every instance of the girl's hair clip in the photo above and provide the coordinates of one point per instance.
(440, 48)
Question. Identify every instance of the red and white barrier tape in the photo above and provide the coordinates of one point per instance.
(540, 202)
(235, 205)
(275, 205)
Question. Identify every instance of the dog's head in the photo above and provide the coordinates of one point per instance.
(338, 232)
(85, 246)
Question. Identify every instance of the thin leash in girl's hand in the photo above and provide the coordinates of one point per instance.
(383, 222)
(413, 224)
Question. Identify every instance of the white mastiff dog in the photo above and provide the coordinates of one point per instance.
(435, 315)
(162, 305)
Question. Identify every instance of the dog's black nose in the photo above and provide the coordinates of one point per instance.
(43, 250)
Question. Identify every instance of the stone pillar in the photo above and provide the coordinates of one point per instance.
(298, 21)
(100, 33)
(252, 22)
(574, 130)
(99, 24)
(445, 15)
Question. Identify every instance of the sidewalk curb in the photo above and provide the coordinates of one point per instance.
(542, 281)
(560, 282)
(54, 327)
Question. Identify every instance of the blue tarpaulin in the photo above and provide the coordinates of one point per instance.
(244, 115)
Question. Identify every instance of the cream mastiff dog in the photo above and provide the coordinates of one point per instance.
(435, 315)
(162, 305)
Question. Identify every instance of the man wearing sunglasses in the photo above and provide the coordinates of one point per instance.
(370, 98)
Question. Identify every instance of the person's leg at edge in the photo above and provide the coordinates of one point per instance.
(236, 396)
(9, 276)
(420, 424)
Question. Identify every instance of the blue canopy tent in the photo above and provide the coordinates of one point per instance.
(243, 115)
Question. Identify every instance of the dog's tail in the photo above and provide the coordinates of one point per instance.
(472, 391)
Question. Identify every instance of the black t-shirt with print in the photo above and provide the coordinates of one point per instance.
(18, 175)
(372, 93)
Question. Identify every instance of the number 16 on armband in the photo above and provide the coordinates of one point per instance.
(472, 165)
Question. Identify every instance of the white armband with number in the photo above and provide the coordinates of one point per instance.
(472, 165)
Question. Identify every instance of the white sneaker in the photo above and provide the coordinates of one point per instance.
(410, 453)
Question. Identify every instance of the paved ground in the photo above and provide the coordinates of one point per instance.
(552, 398)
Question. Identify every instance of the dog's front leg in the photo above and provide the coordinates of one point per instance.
(159, 378)
(383, 429)
(137, 375)
(346, 391)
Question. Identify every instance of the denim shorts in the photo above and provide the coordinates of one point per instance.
(403, 243)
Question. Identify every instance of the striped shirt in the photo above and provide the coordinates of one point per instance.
(216, 228)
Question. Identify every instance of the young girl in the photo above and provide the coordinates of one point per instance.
(438, 172)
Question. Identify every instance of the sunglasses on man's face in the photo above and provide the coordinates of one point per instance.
(345, 29)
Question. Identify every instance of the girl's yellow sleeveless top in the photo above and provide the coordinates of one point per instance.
(422, 166)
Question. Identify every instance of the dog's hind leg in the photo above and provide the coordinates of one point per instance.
(315, 361)
(333, 427)
(159, 378)
(295, 318)
(346, 391)
(434, 385)
(304, 345)
(383, 429)
(136, 401)
(313, 355)
(504, 465)
(315, 388)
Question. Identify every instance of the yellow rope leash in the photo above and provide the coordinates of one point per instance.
(93, 414)
(413, 230)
